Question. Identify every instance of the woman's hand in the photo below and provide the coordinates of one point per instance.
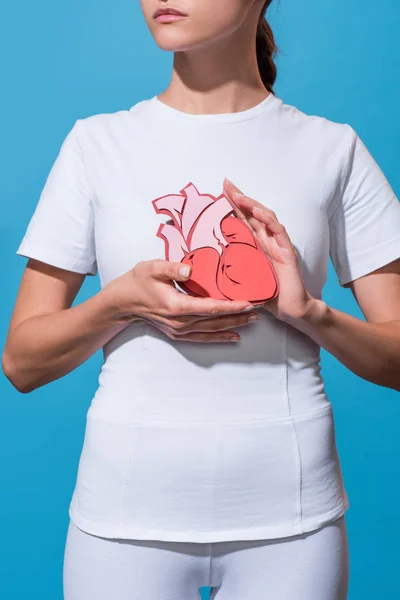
(293, 300)
(147, 292)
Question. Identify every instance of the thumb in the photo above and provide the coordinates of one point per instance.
(173, 270)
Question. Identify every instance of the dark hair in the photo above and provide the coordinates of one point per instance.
(266, 50)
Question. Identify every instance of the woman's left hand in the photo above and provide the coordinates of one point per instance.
(293, 300)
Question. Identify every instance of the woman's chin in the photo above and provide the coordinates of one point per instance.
(174, 39)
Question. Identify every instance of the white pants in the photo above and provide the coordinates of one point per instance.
(313, 566)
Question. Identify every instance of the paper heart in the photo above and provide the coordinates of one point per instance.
(245, 273)
(235, 230)
(202, 281)
(227, 260)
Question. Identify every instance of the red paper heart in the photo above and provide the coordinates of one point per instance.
(242, 272)
(234, 230)
(227, 260)
(245, 273)
(202, 281)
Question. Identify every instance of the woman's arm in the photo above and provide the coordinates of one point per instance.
(371, 348)
(47, 338)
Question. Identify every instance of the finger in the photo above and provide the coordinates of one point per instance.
(264, 237)
(265, 215)
(210, 325)
(170, 270)
(236, 198)
(275, 227)
(246, 204)
(186, 322)
(179, 304)
(245, 213)
(205, 337)
(241, 214)
(210, 307)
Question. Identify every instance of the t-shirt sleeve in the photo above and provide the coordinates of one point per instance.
(364, 226)
(61, 229)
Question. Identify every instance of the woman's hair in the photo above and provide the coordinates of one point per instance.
(266, 50)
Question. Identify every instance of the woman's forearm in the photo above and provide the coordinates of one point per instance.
(371, 350)
(45, 347)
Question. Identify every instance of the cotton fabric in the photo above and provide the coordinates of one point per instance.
(188, 441)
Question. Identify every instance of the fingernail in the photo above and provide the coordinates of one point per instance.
(228, 180)
(234, 338)
(253, 317)
(184, 271)
(237, 194)
(248, 308)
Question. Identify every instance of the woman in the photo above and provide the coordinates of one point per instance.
(208, 464)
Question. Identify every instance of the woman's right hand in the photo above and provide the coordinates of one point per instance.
(147, 292)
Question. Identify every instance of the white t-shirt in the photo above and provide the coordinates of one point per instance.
(189, 441)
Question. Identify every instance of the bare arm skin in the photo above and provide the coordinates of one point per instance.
(48, 337)
(370, 348)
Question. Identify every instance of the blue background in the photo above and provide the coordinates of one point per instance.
(68, 60)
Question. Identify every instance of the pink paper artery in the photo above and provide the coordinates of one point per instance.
(196, 221)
